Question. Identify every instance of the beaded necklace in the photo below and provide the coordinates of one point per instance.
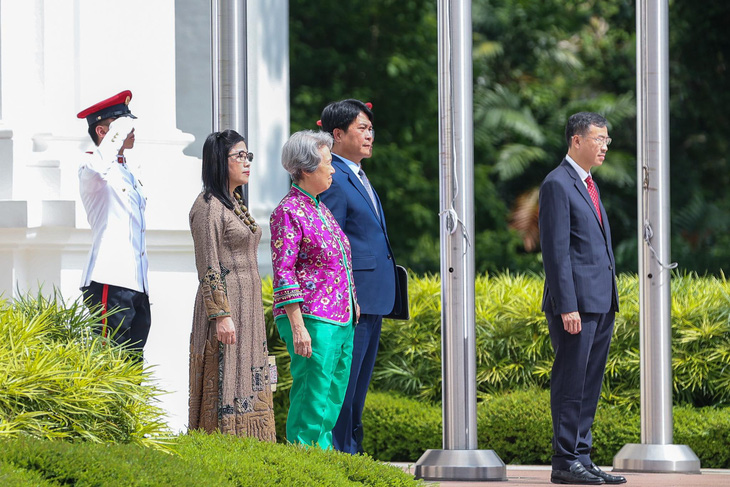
(242, 213)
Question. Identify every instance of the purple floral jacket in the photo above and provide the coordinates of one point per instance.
(311, 259)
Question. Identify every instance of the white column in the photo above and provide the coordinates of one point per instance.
(268, 111)
(76, 53)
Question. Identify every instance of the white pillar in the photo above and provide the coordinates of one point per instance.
(76, 53)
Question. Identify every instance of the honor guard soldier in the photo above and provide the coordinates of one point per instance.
(115, 274)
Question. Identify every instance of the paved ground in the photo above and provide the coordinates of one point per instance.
(527, 476)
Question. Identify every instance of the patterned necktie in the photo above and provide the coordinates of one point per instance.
(369, 189)
(594, 196)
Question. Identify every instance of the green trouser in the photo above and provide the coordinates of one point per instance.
(319, 383)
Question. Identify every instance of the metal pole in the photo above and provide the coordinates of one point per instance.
(656, 453)
(228, 56)
(459, 460)
(457, 255)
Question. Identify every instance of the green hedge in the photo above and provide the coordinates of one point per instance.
(517, 426)
(513, 344)
(11, 476)
(198, 459)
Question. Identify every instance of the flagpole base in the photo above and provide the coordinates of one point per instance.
(460, 465)
(635, 457)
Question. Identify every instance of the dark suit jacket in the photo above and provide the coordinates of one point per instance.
(373, 263)
(577, 255)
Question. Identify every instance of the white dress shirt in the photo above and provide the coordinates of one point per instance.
(582, 174)
(353, 166)
(115, 205)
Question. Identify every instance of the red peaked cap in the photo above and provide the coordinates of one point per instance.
(368, 104)
(113, 107)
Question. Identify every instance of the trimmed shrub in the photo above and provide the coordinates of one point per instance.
(277, 464)
(11, 476)
(59, 381)
(513, 343)
(518, 427)
(91, 464)
(706, 431)
(199, 459)
(397, 428)
(614, 427)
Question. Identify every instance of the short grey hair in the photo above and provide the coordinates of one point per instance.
(301, 152)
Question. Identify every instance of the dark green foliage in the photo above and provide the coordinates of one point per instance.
(199, 459)
(59, 380)
(513, 346)
(534, 63)
(700, 168)
(518, 427)
(701, 332)
(707, 431)
(90, 464)
(383, 52)
(397, 428)
(11, 476)
(250, 462)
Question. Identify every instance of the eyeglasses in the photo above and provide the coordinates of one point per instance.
(600, 140)
(241, 156)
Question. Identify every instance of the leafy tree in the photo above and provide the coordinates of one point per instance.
(535, 63)
(699, 126)
(383, 52)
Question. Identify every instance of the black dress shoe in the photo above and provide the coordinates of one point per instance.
(576, 475)
(607, 477)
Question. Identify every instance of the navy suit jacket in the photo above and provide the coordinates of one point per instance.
(373, 263)
(577, 255)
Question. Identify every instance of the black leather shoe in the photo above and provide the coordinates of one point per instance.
(607, 477)
(576, 475)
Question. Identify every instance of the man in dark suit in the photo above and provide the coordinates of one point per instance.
(580, 297)
(356, 206)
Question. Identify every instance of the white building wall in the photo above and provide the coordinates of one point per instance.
(58, 57)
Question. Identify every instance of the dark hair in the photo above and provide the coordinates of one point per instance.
(581, 122)
(92, 129)
(340, 114)
(215, 165)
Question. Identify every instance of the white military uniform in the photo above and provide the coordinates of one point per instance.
(115, 205)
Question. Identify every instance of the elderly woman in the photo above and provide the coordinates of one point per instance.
(229, 374)
(315, 305)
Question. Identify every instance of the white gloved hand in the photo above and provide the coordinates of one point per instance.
(112, 142)
(119, 129)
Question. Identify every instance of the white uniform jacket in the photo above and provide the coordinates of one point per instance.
(115, 205)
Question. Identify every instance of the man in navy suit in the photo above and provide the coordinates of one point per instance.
(356, 206)
(580, 297)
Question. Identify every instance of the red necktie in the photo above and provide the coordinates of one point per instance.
(594, 196)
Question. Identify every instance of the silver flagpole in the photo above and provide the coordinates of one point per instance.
(459, 459)
(228, 56)
(656, 453)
